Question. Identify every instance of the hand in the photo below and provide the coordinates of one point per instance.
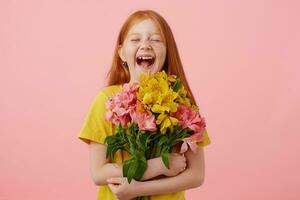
(121, 188)
(177, 164)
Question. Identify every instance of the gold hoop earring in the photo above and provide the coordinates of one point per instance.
(124, 63)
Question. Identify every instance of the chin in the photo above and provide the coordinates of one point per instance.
(139, 70)
(144, 70)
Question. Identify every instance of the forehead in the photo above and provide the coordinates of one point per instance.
(144, 27)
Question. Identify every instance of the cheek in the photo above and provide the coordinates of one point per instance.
(161, 54)
(130, 54)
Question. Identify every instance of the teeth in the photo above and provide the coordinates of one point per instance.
(145, 57)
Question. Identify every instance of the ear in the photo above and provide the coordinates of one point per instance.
(121, 54)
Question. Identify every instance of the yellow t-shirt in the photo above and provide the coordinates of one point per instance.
(96, 128)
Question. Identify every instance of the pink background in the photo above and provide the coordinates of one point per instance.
(240, 59)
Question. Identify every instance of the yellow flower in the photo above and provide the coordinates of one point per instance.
(156, 108)
(147, 98)
(154, 91)
(157, 96)
(165, 121)
(182, 97)
(172, 78)
(195, 108)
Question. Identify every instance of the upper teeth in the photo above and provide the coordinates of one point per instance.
(145, 57)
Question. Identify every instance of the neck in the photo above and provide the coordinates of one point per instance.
(132, 81)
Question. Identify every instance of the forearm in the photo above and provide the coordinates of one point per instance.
(155, 167)
(186, 180)
(108, 170)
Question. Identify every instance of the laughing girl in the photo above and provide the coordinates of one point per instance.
(145, 43)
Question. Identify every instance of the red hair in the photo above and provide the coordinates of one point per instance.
(119, 74)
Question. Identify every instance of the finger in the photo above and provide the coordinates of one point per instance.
(115, 180)
(111, 186)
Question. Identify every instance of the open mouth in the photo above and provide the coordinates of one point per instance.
(145, 61)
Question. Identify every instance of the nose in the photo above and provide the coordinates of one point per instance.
(146, 46)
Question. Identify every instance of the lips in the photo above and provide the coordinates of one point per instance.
(145, 60)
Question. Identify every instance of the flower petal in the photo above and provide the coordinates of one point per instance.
(184, 147)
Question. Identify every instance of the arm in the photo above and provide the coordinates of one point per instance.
(101, 168)
(192, 177)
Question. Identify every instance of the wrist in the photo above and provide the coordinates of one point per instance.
(138, 189)
(158, 165)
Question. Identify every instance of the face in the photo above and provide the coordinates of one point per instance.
(143, 49)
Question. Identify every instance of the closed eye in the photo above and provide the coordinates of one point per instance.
(134, 39)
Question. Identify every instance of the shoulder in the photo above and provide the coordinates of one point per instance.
(101, 97)
(108, 91)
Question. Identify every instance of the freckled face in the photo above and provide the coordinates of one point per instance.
(143, 49)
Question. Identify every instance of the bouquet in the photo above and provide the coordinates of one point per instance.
(151, 117)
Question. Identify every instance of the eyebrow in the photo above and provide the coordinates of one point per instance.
(150, 34)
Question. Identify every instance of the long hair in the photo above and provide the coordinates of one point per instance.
(119, 74)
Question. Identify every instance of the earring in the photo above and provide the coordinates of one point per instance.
(124, 63)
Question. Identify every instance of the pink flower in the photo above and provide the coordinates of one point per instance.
(121, 105)
(191, 142)
(145, 122)
(191, 119)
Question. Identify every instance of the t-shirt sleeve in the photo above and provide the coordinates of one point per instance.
(95, 127)
(206, 140)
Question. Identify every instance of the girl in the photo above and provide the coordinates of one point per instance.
(145, 43)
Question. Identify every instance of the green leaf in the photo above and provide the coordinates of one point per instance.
(165, 158)
(162, 140)
(126, 166)
(145, 139)
(118, 146)
(138, 141)
(132, 170)
(155, 136)
(108, 151)
(142, 166)
(177, 85)
(173, 143)
(132, 151)
(110, 139)
(131, 139)
(113, 148)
